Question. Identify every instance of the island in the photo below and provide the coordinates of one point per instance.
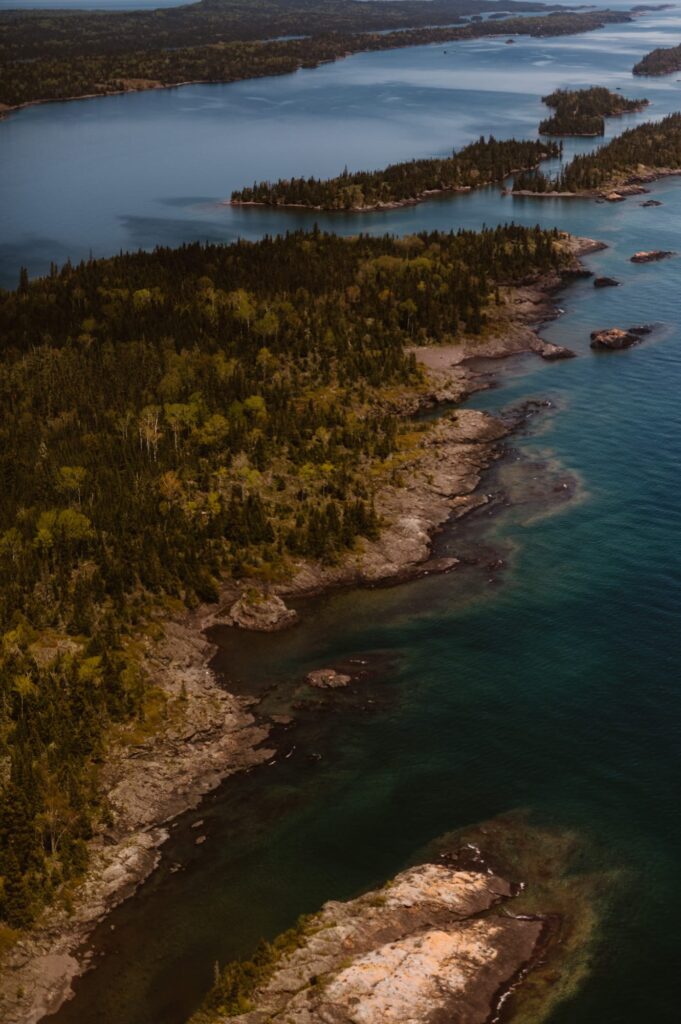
(583, 111)
(663, 61)
(481, 163)
(248, 433)
(57, 55)
(622, 167)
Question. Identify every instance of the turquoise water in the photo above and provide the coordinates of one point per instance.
(554, 688)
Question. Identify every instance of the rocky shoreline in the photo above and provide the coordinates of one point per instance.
(206, 734)
(615, 192)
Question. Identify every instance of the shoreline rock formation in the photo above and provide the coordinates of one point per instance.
(427, 946)
(651, 256)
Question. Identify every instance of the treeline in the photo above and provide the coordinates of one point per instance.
(651, 146)
(583, 111)
(25, 35)
(662, 61)
(55, 76)
(171, 418)
(480, 163)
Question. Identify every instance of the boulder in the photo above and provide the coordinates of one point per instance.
(652, 202)
(605, 282)
(327, 679)
(613, 339)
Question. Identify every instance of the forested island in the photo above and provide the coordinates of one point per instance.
(171, 420)
(640, 154)
(38, 66)
(480, 163)
(663, 61)
(583, 111)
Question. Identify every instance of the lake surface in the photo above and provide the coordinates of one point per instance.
(555, 688)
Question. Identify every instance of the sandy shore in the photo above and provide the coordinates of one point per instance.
(207, 734)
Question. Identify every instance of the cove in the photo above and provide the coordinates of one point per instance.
(555, 689)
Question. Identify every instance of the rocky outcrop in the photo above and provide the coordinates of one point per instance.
(328, 679)
(651, 256)
(425, 948)
(614, 339)
(605, 282)
(547, 350)
(262, 612)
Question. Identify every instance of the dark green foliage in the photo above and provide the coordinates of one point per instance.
(146, 55)
(42, 33)
(169, 418)
(663, 61)
(481, 163)
(653, 145)
(583, 111)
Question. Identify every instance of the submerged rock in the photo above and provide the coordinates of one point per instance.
(651, 256)
(605, 282)
(641, 330)
(652, 202)
(264, 613)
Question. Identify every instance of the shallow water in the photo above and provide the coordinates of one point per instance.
(555, 687)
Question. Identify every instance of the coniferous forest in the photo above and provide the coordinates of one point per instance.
(583, 111)
(173, 418)
(655, 145)
(481, 163)
(141, 50)
(663, 61)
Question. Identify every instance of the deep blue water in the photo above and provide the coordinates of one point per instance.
(555, 689)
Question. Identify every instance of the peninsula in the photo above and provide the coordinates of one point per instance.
(663, 61)
(201, 482)
(132, 51)
(496, 918)
(481, 163)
